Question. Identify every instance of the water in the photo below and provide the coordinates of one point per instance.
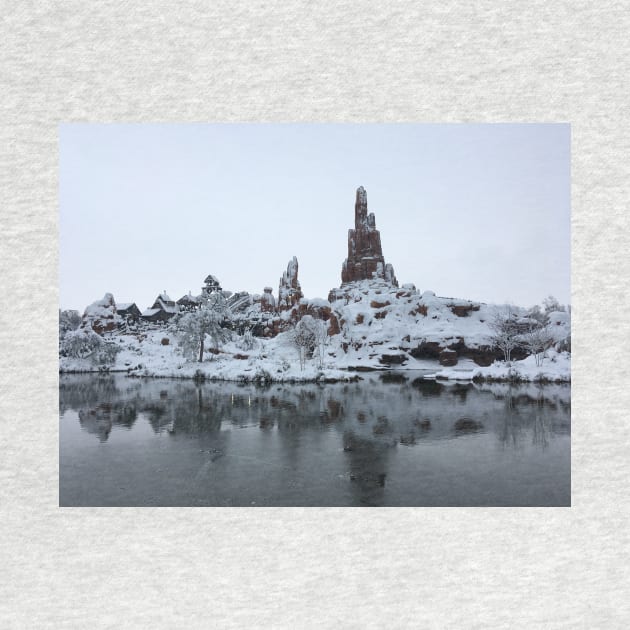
(389, 440)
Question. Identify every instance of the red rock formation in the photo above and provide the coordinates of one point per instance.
(333, 327)
(448, 357)
(365, 256)
(289, 292)
(101, 316)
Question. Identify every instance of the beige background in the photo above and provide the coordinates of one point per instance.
(302, 61)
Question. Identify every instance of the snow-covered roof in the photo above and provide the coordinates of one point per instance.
(125, 305)
(150, 311)
(167, 308)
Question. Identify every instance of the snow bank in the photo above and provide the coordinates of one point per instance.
(556, 368)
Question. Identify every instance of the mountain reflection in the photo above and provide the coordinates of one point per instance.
(378, 411)
(398, 440)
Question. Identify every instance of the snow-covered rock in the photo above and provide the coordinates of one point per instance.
(365, 255)
(289, 291)
(555, 367)
(267, 301)
(379, 321)
(101, 316)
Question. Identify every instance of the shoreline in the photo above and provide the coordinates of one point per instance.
(492, 374)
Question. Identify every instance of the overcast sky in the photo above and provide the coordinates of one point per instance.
(470, 211)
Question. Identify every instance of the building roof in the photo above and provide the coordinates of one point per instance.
(167, 307)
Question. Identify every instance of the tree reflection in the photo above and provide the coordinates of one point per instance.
(96, 420)
(530, 410)
(368, 443)
(376, 411)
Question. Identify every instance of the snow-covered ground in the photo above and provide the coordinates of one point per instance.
(276, 360)
(380, 326)
(146, 354)
(555, 367)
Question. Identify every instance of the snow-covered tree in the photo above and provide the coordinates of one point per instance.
(321, 340)
(105, 354)
(80, 344)
(505, 330)
(537, 314)
(551, 305)
(310, 336)
(84, 343)
(536, 341)
(302, 338)
(247, 340)
(68, 320)
(192, 328)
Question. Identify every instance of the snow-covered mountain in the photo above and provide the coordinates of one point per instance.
(371, 323)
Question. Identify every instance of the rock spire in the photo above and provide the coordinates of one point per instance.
(365, 256)
(289, 291)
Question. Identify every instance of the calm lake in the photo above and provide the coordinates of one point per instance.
(392, 439)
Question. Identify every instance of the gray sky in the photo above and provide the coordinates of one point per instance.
(470, 211)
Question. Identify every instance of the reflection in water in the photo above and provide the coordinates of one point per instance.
(367, 463)
(467, 425)
(388, 440)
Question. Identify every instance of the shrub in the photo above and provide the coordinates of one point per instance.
(105, 354)
(81, 344)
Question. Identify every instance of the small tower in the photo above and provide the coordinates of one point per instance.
(211, 286)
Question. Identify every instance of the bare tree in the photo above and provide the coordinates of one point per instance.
(505, 330)
(536, 341)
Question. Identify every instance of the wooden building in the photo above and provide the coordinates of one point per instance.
(162, 310)
(129, 312)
